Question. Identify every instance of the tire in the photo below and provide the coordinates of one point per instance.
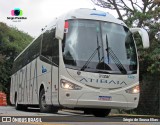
(44, 108)
(24, 107)
(17, 106)
(101, 112)
(87, 111)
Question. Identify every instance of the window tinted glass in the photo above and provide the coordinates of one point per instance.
(55, 58)
(28, 55)
(82, 39)
(50, 49)
(99, 46)
(34, 49)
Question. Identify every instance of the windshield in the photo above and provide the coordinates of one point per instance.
(98, 46)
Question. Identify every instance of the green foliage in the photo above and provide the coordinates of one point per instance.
(150, 57)
(12, 42)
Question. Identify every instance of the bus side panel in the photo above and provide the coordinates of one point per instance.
(35, 84)
(25, 86)
(21, 85)
(39, 77)
(55, 79)
(12, 91)
(32, 86)
(32, 81)
(15, 85)
(44, 78)
(29, 66)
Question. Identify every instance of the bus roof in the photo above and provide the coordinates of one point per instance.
(92, 14)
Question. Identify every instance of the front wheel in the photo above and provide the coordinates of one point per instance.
(44, 108)
(101, 112)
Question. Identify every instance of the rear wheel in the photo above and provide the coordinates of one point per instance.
(17, 106)
(101, 112)
(24, 107)
(44, 108)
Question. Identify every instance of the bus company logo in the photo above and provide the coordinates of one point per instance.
(16, 12)
(16, 15)
(91, 80)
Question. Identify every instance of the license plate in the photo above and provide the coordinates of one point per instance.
(105, 98)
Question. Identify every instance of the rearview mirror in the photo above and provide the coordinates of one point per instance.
(59, 29)
(144, 35)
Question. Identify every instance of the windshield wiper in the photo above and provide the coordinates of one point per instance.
(114, 58)
(90, 58)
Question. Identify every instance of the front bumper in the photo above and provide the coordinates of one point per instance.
(90, 100)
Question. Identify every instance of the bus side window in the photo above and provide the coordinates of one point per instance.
(34, 49)
(50, 49)
(55, 57)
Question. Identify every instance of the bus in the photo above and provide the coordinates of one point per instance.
(84, 60)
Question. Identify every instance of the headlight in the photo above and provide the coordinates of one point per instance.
(69, 85)
(133, 90)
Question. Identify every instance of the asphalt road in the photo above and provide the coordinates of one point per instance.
(10, 116)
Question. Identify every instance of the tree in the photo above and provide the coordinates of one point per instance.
(144, 14)
(12, 42)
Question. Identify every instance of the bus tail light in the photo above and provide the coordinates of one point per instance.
(133, 90)
(66, 25)
(69, 85)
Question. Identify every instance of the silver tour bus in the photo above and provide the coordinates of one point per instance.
(85, 59)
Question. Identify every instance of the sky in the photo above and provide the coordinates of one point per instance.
(39, 13)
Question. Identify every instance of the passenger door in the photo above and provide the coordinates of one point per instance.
(50, 59)
(55, 71)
